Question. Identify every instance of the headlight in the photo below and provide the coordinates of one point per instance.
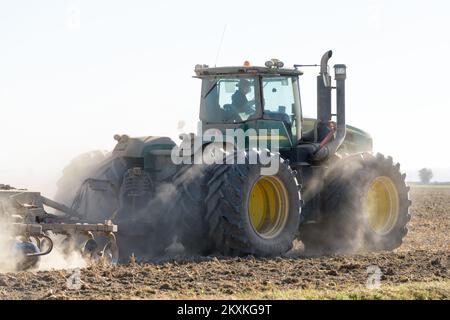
(274, 63)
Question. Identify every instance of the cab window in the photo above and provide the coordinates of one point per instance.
(278, 95)
(280, 99)
(228, 100)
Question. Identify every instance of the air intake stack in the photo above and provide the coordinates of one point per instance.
(324, 90)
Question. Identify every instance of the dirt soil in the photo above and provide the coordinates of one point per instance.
(424, 258)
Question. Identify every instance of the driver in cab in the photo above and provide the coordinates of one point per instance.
(239, 101)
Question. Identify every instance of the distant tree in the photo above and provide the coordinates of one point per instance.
(425, 175)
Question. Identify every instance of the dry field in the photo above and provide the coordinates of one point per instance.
(417, 270)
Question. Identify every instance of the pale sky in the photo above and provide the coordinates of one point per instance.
(74, 73)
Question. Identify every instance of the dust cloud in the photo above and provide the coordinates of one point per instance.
(60, 258)
(344, 228)
(8, 260)
(12, 257)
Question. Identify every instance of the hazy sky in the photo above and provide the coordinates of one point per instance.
(74, 73)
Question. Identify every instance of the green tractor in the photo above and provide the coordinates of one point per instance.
(217, 191)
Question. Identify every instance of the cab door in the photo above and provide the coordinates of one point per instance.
(279, 99)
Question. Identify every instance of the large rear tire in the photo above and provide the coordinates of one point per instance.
(188, 208)
(365, 206)
(106, 187)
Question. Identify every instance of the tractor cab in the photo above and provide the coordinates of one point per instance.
(252, 98)
(269, 98)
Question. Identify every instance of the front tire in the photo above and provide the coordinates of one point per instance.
(365, 206)
(250, 213)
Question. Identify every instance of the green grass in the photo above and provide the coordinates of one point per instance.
(410, 291)
(430, 185)
(415, 291)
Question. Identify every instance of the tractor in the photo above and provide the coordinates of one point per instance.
(216, 194)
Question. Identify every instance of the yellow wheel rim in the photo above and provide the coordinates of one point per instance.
(382, 205)
(268, 206)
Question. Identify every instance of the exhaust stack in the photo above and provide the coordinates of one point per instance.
(324, 90)
(340, 71)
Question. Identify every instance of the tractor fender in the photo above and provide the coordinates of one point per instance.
(140, 147)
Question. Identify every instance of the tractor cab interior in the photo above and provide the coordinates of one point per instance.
(228, 99)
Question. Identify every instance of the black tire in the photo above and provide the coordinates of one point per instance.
(188, 208)
(142, 222)
(230, 230)
(101, 203)
(145, 228)
(346, 224)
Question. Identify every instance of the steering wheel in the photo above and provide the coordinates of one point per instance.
(251, 105)
(229, 114)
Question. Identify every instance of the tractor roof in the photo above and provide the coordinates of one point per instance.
(205, 71)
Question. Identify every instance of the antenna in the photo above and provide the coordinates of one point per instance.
(220, 45)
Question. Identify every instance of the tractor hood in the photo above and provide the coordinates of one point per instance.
(140, 146)
(356, 140)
